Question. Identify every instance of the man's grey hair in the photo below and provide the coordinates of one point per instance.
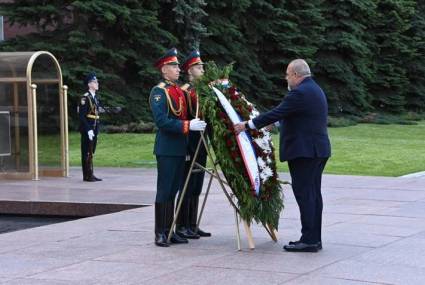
(300, 67)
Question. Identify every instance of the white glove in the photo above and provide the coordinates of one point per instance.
(90, 134)
(197, 125)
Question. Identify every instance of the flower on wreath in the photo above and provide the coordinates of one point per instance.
(234, 97)
(232, 90)
(234, 154)
(222, 115)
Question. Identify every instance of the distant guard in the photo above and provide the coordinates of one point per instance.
(88, 110)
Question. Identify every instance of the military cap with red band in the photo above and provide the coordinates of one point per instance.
(192, 59)
(170, 57)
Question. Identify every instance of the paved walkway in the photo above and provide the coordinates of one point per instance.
(374, 233)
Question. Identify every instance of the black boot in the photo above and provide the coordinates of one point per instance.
(193, 216)
(88, 170)
(90, 179)
(86, 173)
(96, 178)
(175, 238)
(183, 223)
(160, 223)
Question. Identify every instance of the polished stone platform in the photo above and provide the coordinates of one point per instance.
(121, 189)
(373, 233)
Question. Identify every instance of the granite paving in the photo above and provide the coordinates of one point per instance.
(373, 233)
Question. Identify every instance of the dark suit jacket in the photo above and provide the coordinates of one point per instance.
(303, 122)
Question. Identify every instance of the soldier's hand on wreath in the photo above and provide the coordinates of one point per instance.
(90, 134)
(197, 125)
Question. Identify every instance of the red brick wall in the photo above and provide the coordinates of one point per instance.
(11, 31)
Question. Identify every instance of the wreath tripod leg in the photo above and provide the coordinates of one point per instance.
(216, 175)
(183, 193)
(238, 235)
(272, 232)
(248, 231)
(213, 174)
(204, 202)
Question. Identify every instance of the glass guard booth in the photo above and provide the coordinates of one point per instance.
(33, 116)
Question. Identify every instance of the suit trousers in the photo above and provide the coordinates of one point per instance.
(169, 178)
(306, 175)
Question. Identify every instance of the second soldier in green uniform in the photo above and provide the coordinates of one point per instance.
(187, 220)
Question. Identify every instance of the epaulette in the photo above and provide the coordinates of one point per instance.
(161, 85)
(169, 101)
(184, 87)
(86, 94)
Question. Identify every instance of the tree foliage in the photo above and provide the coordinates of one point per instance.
(108, 37)
(344, 66)
(368, 55)
(393, 48)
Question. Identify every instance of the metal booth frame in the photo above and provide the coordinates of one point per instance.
(31, 93)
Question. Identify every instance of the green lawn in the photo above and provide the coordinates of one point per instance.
(117, 150)
(369, 149)
(364, 149)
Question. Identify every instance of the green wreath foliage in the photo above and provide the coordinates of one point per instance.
(265, 207)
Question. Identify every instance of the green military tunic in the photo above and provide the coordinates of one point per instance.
(169, 110)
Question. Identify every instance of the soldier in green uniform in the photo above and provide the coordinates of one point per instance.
(169, 110)
(186, 224)
(88, 112)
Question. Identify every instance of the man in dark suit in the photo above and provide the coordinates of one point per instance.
(304, 143)
(169, 110)
(88, 112)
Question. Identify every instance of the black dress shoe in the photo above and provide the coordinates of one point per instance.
(301, 247)
(97, 179)
(175, 238)
(201, 233)
(319, 244)
(187, 233)
(161, 240)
